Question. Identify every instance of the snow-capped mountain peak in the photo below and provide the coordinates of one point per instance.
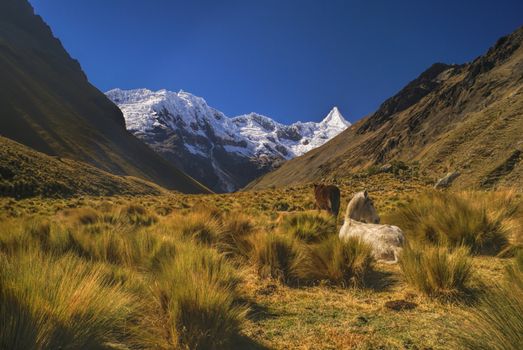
(335, 119)
(224, 153)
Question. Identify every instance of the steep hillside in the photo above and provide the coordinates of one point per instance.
(466, 118)
(47, 103)
(223, 153)
(26, 173)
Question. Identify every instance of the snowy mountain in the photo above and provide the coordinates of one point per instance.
(223, 153)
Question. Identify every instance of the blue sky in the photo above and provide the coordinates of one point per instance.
(288, 59)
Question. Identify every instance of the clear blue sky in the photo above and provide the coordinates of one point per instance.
(288, 59)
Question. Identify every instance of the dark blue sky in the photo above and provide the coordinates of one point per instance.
(288, 59)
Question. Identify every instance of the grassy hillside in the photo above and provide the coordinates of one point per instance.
(28, 173)
(466, 118)
(237, 271)
(47, 103)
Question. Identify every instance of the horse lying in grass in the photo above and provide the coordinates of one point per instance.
(327, 198)
(362, 221)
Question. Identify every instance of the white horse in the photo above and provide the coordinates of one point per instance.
(362, 221)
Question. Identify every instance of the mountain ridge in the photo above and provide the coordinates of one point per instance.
(223, 152)
(466, 118)
(47, 103)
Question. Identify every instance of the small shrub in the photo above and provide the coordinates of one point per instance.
(308, 227)
(437, 271)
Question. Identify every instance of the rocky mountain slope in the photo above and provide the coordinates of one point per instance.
(47, 103)
(223, 153)
(466, 118)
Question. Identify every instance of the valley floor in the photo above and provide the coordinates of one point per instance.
(336, 318)
(307, 317)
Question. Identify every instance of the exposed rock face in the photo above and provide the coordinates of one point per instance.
(223, 153)
(447, 180)
(427, 82)
(467, 116)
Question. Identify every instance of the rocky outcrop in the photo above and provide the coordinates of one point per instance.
(447, 180)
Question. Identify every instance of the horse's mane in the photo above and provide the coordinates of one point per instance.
(354, 204)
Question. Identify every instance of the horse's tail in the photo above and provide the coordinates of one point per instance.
(335, 201)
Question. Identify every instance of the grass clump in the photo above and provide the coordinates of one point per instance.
(82, 216)
(201, 226)
(135, 214)
(61, 303)
(342, 263)
(235, 240)
(333, 261)
(278, 256)
(478, 221)
(308, 227)
(199, 295)
(437, 271)
(497, 322)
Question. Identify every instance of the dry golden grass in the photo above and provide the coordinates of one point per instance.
(484, 222)
(193, 262)
(437, 271)
(497, 322)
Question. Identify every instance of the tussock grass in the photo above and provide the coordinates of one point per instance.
(278, 256)
(308, 227)
(193, 284)
(201, 226)
(437, 271)
(62, 303)
(235, 240)
(343, 263)
(189, 285)
(497, 322)
(482, 222)
(82, 216)
(332, 261)
(199, 296)
(130, 214)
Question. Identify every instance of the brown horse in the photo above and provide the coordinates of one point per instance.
(327, 198)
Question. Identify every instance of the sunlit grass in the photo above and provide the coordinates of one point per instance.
(437, 271)
(482, 222)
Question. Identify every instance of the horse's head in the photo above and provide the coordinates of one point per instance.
(361, 208)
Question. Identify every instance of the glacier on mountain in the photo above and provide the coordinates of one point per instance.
(159, 117)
